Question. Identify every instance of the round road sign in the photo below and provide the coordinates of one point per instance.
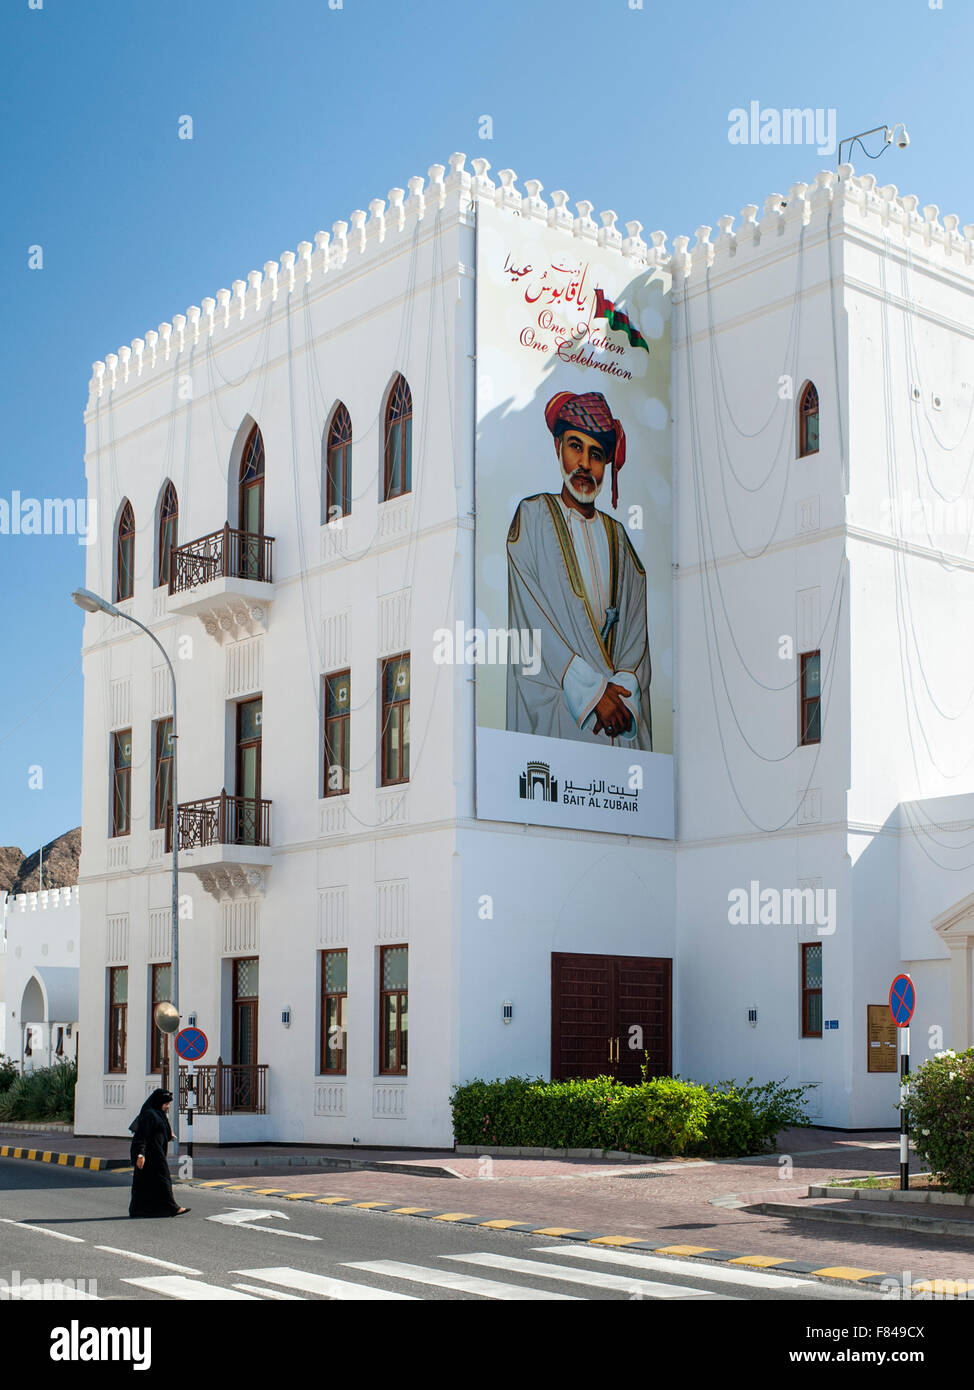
(902, 1000)
(191, 1044)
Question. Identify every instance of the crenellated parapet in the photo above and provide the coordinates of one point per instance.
(43, 899)
(450, 188)
(852, 202)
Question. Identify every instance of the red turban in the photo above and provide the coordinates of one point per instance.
(590, 413)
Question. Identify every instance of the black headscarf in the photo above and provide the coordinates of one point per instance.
(154, 1102)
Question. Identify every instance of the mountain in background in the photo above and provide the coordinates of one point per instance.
(19, 873)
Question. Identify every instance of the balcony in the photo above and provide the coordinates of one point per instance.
(228, 1088)
(226, 580)
(225, 840)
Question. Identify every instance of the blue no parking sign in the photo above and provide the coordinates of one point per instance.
(191, 1044)
(902, 1000)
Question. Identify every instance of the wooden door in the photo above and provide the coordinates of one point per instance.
(607, 1012)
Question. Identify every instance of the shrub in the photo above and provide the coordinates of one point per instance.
(747, 1119)
(44, 1094)
(664, 1116)
(941, 1110)
(8, 1073)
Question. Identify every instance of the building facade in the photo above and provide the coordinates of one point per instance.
(40, 952)
(286, 481)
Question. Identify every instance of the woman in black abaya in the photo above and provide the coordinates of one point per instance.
(151, 1183)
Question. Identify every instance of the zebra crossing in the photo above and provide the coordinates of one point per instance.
(481, 1274)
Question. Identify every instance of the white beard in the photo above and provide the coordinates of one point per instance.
(584, 497)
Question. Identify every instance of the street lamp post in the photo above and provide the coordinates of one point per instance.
(93, 603)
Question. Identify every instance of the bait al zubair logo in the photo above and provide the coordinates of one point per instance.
(536, 783)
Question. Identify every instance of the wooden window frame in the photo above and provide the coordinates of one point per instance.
(248, 999)
(402, 1008)
(808, 405)
(806, 702)
(807, 992)
(125, 535)
(338, 442)
(168, 513)
(325, 1052)
(160, 810)
(343, 724)
(258, 480)
(387, 708)
(117, 1024)
(157, 1039)
(121, 776)
(398, 415)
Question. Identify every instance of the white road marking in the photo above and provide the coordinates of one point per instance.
(662, 1264)
(273, 1231)
(50, 1290)
(271, 1293)
(240, 1216)
(466, 1283)
(178, 1286)
(149, 1259)
(28, 1226)
(319, 1283)
(620, 1283)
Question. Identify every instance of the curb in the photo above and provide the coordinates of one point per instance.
(65, 1160)
(832, 1274)
(900, 1220)
(890, 1194)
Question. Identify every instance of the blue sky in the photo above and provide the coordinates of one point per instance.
(301, 113)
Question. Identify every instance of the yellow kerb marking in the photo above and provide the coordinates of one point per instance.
(846, 1272)
(454, 1216)
(616, 1240)
(31, 1153)
(944, 1287)
(268, 1191)
(214, 1182)
(408, 1211)
(96, 1164)
(18, 1153)
(293, 1196)
(331, 1200)
(238, 1186)
(62, 1160)
(684, 1250)
(79, 1160)
(370, 1204)
(555, 1231)
(46, 1156)
(501, 1225)
(762, 1261)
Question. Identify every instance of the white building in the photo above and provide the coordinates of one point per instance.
(309, 910)
(39, 969)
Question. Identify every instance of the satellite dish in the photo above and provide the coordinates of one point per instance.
(166, 1018)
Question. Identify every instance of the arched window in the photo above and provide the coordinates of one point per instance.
(338, 465)
(125, 553)
(398, 473)
(168, 522)
(808, 421)
(250, 509)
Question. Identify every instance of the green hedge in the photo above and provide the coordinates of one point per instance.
(44, 1094)
(664, 1116)
(940, 1101)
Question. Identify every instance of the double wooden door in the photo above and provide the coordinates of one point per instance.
(607, 1012)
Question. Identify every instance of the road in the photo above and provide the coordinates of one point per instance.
(72, 1229)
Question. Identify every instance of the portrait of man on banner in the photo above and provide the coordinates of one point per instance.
(574, 578)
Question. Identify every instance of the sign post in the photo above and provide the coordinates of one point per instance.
(902, 1002)
(191, 1044)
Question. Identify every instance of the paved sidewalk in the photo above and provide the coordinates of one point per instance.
(692, 1206)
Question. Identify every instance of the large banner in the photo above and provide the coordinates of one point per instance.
(574, 629)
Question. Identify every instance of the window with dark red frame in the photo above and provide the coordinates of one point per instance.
(121, 782)
(393, 1009)
(125, 554)
(118, 1002)
(808, 421)
(338, 704)
(398, 471)
(168, 523)
(338, 466)
(810, 708)
(395, 720)
(162, 751)
(811, 967)
(161, 992)
(334, 1021)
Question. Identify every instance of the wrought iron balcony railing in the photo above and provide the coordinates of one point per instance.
(221, 820)
(225, 554)
(227, 1088)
